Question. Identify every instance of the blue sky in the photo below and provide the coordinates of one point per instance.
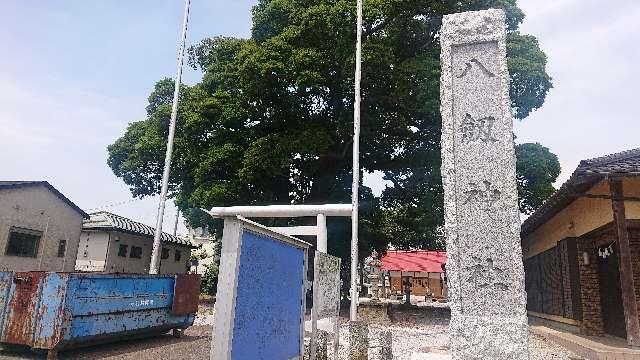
(73, 74)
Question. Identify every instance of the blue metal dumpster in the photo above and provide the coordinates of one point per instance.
(50, 311)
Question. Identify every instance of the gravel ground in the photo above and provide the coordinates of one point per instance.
(413, 331)
(195, 345)
(426, 329)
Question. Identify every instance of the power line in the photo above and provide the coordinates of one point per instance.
(120, 203)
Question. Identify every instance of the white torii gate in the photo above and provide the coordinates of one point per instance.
(290, 211)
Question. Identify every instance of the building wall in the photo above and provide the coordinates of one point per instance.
(552, 281)
(634, 244)
(580, 217)
(37, 208)
(92, 251)
(419, 284)
(118, 264)
(592, 322)
(591, 222)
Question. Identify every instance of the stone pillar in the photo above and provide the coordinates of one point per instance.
(358, 340)
(482, 223)
(386, 342)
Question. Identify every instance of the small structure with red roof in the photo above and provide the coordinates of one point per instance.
(424, 269)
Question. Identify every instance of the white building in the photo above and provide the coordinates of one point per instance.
(114, 244)
(206, 249)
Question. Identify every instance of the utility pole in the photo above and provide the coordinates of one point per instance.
(356, 170)
(175, 225)
(157, 245)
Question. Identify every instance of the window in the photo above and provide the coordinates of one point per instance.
(23, 242)
(177, 255)
(136, 252)
(122, 250)
(62, 248)
(165, 253)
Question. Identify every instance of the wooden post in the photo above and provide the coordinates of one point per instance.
(626, 270)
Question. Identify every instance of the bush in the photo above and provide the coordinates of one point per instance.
(210, 280)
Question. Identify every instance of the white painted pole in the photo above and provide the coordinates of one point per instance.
(321, 242)
(155, 255)
(356, 169)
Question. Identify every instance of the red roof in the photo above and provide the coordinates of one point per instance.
(418, 261)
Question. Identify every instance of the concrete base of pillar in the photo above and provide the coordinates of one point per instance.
(496, 338)
(429, 356)
(386, 345)
(321, 347)
(358, 340)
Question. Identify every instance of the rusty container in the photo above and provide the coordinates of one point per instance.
(50, 311)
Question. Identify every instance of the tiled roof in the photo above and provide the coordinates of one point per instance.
(21, 184)
(107, 221)
(588, 173)
(418, 261)
(626, 162)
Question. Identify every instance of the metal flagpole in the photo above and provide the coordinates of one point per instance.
(356, 170)
(155, 255)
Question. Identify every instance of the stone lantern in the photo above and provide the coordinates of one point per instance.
(374, 275)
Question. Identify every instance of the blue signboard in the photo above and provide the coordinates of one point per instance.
(268, 301)
(260, 304)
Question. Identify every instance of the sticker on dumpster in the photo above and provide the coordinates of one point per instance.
(141, 303)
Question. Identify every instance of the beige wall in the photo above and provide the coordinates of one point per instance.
(102, 254)
(37, 208)
(580, 217)
(92, 251)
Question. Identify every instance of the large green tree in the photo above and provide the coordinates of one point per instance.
(271, 120)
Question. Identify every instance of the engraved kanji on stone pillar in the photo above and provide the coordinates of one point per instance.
(484, 268)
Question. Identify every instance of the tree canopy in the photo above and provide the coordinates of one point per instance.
(537, 170)
(271, 121)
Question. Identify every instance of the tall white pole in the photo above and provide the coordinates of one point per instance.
(321, 225)
(157, 246)
(356, 170)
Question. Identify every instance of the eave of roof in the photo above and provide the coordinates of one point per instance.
(586, 175)
(21, 184)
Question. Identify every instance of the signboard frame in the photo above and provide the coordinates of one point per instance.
(226, 299)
